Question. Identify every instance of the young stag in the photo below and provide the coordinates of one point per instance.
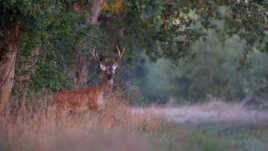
(89, 98)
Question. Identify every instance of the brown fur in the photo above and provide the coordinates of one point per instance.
(83, 99)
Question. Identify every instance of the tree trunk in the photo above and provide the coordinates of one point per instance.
(95, 11)
(8, 52)
(81, 71)
(81, 63)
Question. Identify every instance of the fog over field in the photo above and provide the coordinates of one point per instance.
(212, 111)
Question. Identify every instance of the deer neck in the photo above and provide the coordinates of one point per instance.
(104, 90)
(106, 84)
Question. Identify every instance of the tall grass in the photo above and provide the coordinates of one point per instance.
(33, 126)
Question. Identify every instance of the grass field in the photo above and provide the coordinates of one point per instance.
(216, 126)
(116, 128)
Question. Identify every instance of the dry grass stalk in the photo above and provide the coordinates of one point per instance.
(29, 127)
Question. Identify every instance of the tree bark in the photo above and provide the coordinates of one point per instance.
(81, 76)
(81, 71)
(8, 52)
(95, 11)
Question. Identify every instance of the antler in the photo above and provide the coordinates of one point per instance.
(120, 54)
(93, 53)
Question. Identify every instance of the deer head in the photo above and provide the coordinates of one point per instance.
(109, 71)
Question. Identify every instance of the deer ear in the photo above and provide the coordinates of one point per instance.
(103, 68)
(115, 66)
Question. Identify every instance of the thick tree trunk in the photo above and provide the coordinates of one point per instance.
(81, 63)
(95, 11)
(8, 52)
(81, 71)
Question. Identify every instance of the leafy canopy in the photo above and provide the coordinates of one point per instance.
(164, 28)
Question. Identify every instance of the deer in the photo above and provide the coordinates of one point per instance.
(92, 98)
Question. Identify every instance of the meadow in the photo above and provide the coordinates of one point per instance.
(120, 127)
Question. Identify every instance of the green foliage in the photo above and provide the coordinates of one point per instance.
(164, 29)
(58, 32)
(215, 71)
